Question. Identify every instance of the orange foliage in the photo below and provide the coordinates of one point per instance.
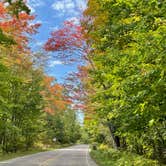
(2, 10)
(17, 27)
(54, 96)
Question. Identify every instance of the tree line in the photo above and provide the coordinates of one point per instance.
(129, 80)
(33, 106)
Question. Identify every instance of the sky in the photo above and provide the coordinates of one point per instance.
(51, 14)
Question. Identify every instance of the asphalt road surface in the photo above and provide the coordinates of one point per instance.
(77, 155)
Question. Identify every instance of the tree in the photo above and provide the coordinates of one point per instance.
(54, 96)
(126, 43)
(127, 48)
(67, 41)
(14, 26)
(16, 7)
(64, 127)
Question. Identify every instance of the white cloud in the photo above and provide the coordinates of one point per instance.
(65, 6)
(81, 4)
(58, 6)
(70, 5)
(56, 62)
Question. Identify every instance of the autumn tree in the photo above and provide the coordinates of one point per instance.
(22, 81)
(126, 42)
(127, 38)
(15, 16)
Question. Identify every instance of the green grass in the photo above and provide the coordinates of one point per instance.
(34, 150)
(111, 157)
(7, 156)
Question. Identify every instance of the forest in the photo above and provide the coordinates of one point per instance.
(33, 106)
(120, 85)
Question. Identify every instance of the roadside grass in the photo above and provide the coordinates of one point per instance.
(111, 157)
(36, 149)
(7, 156)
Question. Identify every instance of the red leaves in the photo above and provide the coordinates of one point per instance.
(66, 38)
(70, 43)
(17, 27)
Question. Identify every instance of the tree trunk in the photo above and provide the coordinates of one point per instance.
(116, 139)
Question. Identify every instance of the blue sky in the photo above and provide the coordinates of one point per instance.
(51, 14)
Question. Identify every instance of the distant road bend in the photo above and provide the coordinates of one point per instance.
(77, 155)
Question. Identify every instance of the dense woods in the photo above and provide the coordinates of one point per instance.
(120, 85)
(127, 40)
(33, 106)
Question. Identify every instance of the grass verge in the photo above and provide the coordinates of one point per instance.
(111, 157)
(34, 150)
(7, 156)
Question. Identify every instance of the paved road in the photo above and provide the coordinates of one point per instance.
(77, 155)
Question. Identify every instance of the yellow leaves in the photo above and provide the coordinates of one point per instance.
(93, 8)
(19, 63)
(158, 20)
(130, 20)
(147, 69)
(103, 147)
(151, 122)
(101, 18)
(111, 115)
(143, 106)
(162, 75)
(104, 39)
(99, 15)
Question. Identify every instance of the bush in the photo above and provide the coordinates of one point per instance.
(113, 157)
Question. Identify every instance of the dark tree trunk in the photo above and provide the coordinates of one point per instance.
(116, 139)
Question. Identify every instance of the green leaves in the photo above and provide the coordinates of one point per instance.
(20, 108)
(63, 126)
(18, 6)
(129, 76)
(5, 39)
